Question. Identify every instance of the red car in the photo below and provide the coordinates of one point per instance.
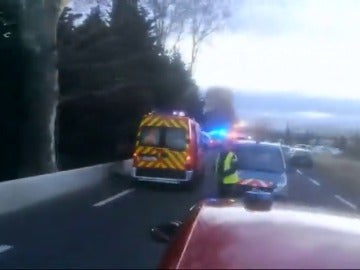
(228, 234)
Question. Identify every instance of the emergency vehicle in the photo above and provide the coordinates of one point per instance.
(168, 149)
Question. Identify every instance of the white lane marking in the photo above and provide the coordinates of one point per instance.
(316, 183)
(341, 199)
(4, 248)
(112, 198)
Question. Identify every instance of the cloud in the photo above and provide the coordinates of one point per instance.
(294, 64)
(309, 47)
(264, 17)
(261, 17)
(313, 115)
(299, 110)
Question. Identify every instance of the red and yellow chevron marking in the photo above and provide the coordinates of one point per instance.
(154, 121)
(146, 120)
(174, 160)
(157, 121)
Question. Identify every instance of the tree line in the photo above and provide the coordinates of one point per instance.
(72, 95)
(110, 74)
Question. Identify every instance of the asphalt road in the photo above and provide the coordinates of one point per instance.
(108, 226)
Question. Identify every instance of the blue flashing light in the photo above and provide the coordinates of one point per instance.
(218, 132)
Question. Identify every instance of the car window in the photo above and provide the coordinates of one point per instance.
(302, 153)
(260, 158)
(175, 138)
(150, 136)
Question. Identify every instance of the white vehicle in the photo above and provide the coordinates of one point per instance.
(321, 149)
(303, 146)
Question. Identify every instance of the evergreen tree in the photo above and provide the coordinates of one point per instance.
(110, 75)
(82, 56)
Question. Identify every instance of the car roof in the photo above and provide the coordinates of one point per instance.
(224, 234)
(302, 144)
(297, 150)
(252, 142)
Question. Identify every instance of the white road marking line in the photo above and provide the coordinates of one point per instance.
(316, 183)
(4, 248)
(341, 199)
(112, 198)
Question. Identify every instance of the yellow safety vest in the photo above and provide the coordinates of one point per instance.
(233, 178)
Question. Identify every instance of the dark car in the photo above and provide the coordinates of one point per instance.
(228, 234)
(301, 158)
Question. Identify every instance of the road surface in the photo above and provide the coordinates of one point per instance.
(108, 226)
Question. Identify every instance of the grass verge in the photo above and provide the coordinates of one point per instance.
(342, 172)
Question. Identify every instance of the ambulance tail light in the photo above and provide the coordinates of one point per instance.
(188, 163)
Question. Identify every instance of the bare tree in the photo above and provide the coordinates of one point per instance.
(195, 18)
(169, 18)
(205, 17)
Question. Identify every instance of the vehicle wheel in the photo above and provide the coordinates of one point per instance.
(202, 173)
(200, 179)
(135, 183)
(190, 185)
(195, 181)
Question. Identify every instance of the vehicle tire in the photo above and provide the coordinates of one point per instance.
(190, 185)
(201, 174)
(200, 178)
(195, 181)
(135, 183)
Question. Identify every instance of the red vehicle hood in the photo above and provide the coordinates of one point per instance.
(225, 235)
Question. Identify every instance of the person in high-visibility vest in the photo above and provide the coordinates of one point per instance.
(226, 170)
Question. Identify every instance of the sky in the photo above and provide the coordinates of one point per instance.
(318, 114)
(291, 61)
(309, 47)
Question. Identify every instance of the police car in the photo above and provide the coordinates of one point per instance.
(262, 165)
